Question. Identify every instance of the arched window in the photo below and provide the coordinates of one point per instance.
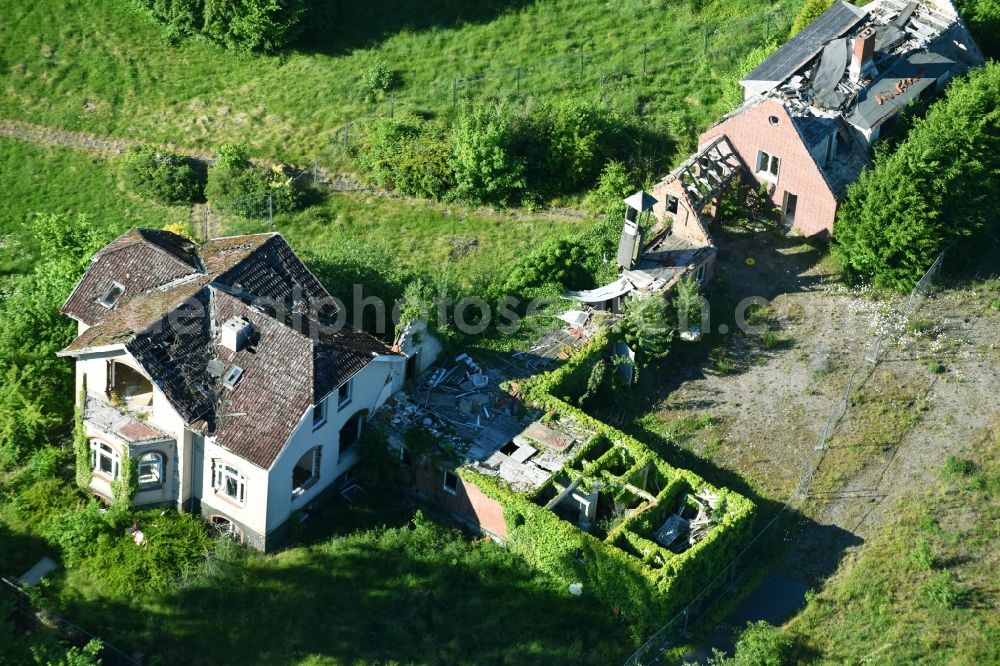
(104, 460)
(225, 527)
(230, 482)
(306, 471)
(150, 470)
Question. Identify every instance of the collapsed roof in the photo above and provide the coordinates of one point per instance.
(169, 300)
(853, 69)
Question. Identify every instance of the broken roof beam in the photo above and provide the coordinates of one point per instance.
(564, 494)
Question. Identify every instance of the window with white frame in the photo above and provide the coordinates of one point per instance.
(344, 394)
(104, 460)
(319, 414)
(230, 482)
(450, 482)
(768, 165)
(150, 470)
(306, 471)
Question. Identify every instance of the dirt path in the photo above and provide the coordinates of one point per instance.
(336, 181)
(936, 388)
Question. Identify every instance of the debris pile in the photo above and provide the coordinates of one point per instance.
(689, 524)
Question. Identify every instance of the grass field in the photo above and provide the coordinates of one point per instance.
(401, 236)
(58, 180)
(924, 588)
(100, 66)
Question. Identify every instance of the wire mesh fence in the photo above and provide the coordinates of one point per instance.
(261, 207)
(713, 43)
(727, 581)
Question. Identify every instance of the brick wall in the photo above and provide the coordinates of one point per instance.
(752, 131)
(468, 503)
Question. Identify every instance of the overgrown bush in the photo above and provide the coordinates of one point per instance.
(160, 175)
(809, 12)
(234, 178)
(936, 189)
(502, 153)
(487, 166)
(241, 25)
(983, 19)
(408, 155)
(376, 81)
(36, 392)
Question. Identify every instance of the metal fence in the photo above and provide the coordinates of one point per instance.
(253, 208)
(726, 582)
(603, 68)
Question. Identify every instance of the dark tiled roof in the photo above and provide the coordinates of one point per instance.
(286, 368)
(138, 266)
(801, 48)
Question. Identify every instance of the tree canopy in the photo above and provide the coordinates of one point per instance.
(934, 190)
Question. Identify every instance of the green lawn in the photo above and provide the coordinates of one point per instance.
(98, 65)
(924, 588)
(57, 180)
(370, 583)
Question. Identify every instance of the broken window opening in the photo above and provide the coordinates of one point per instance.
(319, 414)
(700, 274)
(306, 471)
(104, 460)
(350, 433)
(150, 470)
(111, 295)
(230, 482)
(768, 165)
(672, 203)
(450, 482)
(128, 385)
(344, 395)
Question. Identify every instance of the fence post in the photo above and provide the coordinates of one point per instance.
(645, 48)
(454, 92)
(204, 223)
(315, 168)
(270, 209)
(704, 37)
(347, 133)
(518, 84)
(767, 26)
(581, 66)
(392, 103)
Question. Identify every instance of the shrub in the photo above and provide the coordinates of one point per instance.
(933, 191)
(253, 25)
(809, 12)
(613, 185)
(240, 25)
(376, 81)
(76, 532)
(762, 644)
(556, 261)
(647, 328)
(410, 156)
(160, 175)
(487, 168)
(234, 178)
(181, 229)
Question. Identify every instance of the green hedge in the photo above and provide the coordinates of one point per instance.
(635, 576)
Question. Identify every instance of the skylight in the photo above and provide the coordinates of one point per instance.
(232, 377)
(111, 296)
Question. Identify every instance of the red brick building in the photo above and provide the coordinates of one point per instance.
(813, 109)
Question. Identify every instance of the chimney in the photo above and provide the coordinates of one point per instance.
(234, 333)
(862, 63)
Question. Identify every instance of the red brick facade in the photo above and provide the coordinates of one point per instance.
(798, 174)
(467, 503)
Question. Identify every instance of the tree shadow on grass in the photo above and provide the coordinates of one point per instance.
(334, 28)
(411, 595)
